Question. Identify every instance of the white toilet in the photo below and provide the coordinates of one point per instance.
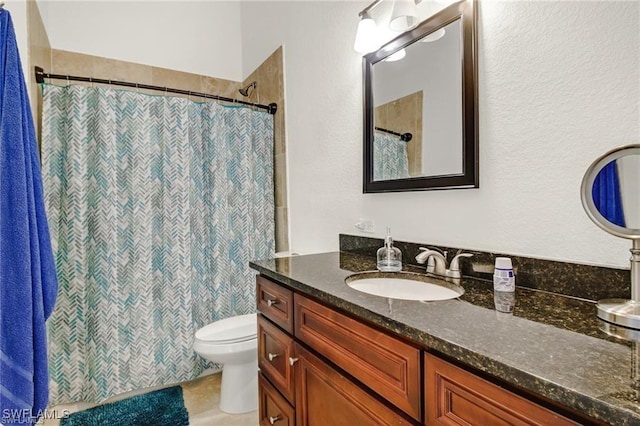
(234, 343)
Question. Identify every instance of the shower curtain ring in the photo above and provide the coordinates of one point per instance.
(68, 82)
(137, 88)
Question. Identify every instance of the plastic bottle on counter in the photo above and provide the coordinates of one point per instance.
(504, 279)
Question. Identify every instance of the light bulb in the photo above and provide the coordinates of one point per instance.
(367, 39)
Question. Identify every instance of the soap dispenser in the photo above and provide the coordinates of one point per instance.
(389, 257)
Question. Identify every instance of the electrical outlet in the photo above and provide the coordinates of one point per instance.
(366, 225)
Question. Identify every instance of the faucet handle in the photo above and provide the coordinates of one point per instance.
(455, 262)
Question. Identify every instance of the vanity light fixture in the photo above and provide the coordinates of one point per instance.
(403, 16)
(367, 39)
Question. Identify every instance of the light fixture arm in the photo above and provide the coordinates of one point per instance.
(367, 9)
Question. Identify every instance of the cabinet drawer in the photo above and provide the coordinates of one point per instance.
(385, 364)
(325, 397)
(275, 302)
(457, 397)
(275, 348)
(274, 409)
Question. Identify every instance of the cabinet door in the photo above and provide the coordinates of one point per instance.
(275, 302)
(274, 409)
(275, 348)
(325, 397)
(457, 397)
(385, 364)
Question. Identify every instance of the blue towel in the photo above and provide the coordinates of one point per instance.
(28, 283)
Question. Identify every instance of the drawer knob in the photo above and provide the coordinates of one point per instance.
(292, 360)
(272, 356)
(273, 420)
(271, 302)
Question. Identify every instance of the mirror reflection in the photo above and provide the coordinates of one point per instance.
(418, 114)
(616, 191)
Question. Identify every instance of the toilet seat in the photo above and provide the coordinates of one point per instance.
(237, 329)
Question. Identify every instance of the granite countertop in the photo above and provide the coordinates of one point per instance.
(552, 345)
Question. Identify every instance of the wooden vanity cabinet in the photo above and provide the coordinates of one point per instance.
(321, 367)
(273, 408)
(454, 396)
(295, 382)
(326, 397)
(275, 352)
(385, 364)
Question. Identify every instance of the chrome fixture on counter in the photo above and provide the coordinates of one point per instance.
(439, 266)
(609, 195)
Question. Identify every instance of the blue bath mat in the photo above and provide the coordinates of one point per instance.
(161, 407)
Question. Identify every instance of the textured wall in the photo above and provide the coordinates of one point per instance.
(559, 84)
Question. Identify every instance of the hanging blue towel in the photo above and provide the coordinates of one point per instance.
(28, 283)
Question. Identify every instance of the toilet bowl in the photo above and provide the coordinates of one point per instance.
(234, 343)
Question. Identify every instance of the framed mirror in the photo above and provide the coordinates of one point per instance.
(420, 106)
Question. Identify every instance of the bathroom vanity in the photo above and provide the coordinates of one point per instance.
(329, 354)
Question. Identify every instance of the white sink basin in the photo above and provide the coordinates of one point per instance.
(404, 286)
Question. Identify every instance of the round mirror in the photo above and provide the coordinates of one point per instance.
(611, 197)
(611, 192)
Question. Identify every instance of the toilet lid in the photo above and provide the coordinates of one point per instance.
(230, 330)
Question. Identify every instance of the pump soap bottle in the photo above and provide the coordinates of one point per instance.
(389, 257)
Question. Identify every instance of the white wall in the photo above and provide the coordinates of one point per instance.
(202, 37)
(559, 84)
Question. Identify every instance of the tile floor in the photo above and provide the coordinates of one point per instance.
(201, 398)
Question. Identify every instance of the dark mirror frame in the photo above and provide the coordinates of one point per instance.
(467, 13)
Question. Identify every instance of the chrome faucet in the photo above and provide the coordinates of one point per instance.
(439, 267)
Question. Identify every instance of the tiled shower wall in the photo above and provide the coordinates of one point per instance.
(270, 86)
(269, 78)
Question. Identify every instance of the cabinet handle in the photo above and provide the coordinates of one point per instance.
(272, 302)
(272, 356)
(273, 420)
(292, 360)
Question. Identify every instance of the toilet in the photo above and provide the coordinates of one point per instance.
(234, 343)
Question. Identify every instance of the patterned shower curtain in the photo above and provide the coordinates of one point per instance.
(156, 205)
(390, 159)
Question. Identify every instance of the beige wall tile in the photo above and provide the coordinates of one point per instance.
(279, 134)
(112, 69)
(220, 87)
(282, 229)
(280, 169)
(71, 63)
(176, 80)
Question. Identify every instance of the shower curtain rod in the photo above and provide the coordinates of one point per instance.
(41, 75)
(405, 137)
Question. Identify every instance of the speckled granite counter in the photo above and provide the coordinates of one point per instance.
(552, 345)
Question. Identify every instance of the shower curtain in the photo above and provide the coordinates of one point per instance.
(156, 205)
(390, 159)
